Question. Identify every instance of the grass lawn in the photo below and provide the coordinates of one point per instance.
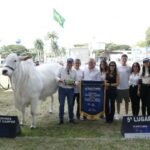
(85, 135)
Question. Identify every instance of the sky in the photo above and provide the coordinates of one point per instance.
(118, 21)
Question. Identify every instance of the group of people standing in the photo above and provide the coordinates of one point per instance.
(122, 83)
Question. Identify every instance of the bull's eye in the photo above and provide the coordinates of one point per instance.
(15, 60)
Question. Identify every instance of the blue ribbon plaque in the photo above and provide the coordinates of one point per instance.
(92, 99)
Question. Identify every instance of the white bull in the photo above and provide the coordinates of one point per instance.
(30, 83)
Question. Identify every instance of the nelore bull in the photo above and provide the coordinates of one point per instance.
(30, 83)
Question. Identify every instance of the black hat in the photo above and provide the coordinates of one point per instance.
(70, 60)
(145, 60)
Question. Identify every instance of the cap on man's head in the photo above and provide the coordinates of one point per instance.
(70, 60)
(145, 60)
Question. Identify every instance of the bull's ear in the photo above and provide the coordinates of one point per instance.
(23, 58)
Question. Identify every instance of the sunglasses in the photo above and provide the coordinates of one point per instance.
(112, 65)
(135, 66)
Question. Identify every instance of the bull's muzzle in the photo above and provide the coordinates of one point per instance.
(4, 72)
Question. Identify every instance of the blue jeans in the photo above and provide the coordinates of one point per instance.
(62, 94)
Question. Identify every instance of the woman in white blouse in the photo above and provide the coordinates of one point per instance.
(103, 69)
(133, 90)
(145, 87)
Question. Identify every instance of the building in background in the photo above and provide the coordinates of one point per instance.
(139, 53)
(80, 51)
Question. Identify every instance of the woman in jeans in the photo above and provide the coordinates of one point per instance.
(112, 81)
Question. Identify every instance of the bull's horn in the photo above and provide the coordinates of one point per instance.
(25, 57)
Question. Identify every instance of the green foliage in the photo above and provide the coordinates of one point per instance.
(148, 36)
(18, 49)
(54, 43)
(52, 36)
(112, 46)
(63, 51)
(39, 47)
(38, 44)
(141, 44)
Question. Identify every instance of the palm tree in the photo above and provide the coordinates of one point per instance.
(39, 46)
(62, 51)
(53, 38)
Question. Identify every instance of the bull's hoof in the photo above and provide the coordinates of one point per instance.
(50, 112)
(32, 127)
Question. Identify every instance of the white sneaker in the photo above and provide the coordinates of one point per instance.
(117, 117)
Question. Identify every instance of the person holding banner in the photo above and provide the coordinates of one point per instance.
(67, 79)
(145, 87)
(91, 73)
(133, 89)
(112, 81)
(76, 97)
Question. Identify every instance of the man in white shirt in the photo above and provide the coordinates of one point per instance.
(77, 64)
(67, 79)
(91, 73)
(123, 87)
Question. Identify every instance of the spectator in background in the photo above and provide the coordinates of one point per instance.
(133, 89)
(112, 81)
(145, 87)
(123, 87)
(76, 97)
(67, 79)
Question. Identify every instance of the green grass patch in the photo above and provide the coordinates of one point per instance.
(85, 135)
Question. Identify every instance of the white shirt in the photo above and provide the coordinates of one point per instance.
(146, 78)
(64, 75)
(134, 79)
(79, 73)
(124, 73)
(91, 74)
(102, 76)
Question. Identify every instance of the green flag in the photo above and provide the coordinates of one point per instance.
(58, 18)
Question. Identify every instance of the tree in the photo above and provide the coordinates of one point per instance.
(112, 46)
(141, 43)
(53, 38)
(18, 49)
(62, 51)
(39, 46)
(148, 36)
